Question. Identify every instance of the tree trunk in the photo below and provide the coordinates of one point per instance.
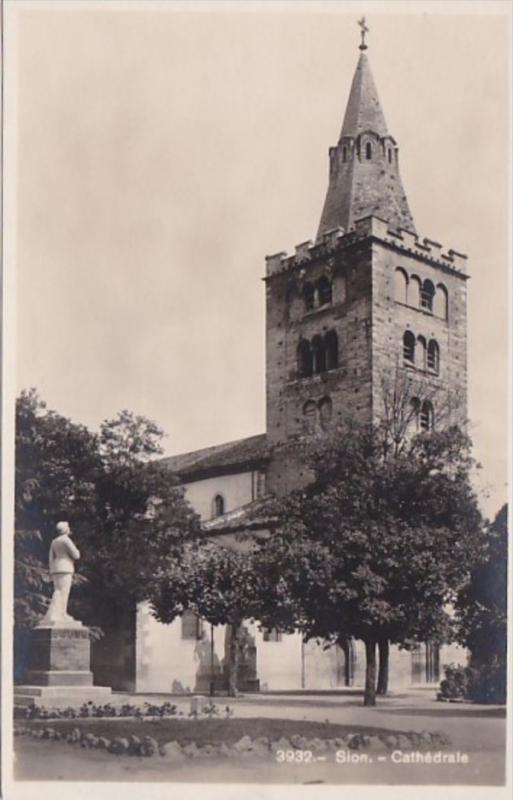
(369, 698)
(233, 660)
(384, 651)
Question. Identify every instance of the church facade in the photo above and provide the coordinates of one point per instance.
(351, 316)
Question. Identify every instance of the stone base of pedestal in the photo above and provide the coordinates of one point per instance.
(60, 696)
(59, 668)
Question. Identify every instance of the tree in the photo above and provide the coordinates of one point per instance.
(219, 584)
(482, 615)
(56, 468)
(127, 511)
(377, 546)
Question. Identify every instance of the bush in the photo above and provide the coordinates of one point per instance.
(482, 683)
(455, 684)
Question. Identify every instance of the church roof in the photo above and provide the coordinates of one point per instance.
(364, 171)
(241, 454)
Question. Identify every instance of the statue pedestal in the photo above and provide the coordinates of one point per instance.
(59, 669)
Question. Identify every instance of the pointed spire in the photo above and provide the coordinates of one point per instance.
(363, 111)
(364, 170)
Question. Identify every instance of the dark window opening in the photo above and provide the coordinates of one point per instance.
(368, 151)
(344, 154)
(427, 293)
(319, 355)
(331, 345)
(324, 291)
(409, 347)
(433, 356)
(389, 155)
(305, 359)
(218, 505)
(309, 296)
(426, 416)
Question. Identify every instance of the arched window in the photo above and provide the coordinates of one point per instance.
(409, 347)
(433, 356)
(304, 359)
(389, 155)
(344, 154)
(414, 291)
(441, 305)
(400, 285)
(218, 505)
(368, 151)
(309, 416)
(427, 294)
(309, 296)
(426, 420)
(324, 290)
(325, 412)
(319, 355)
(331, 346)
(421, 352)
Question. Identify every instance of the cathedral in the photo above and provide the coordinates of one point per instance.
(367, 302)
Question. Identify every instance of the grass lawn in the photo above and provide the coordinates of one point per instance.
(203, 731)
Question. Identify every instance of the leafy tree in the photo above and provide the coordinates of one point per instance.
(219, 584)
(128, 512)
(56, 468)
(482, 614)
(377, 546)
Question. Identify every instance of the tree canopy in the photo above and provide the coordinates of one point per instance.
(127, 511)
(377, 545)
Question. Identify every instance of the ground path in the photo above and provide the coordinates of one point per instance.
(476, 730)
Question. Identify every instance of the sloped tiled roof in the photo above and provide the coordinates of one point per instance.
(221, 457)
(251, 516)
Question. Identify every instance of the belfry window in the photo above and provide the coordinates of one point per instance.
(368, 151)
(319, 355)
(433, 356)
(389, 155)
(409, 347)
(427, 293)
(331, 345)
(324, 290)
(426, 416)
(309, 296)
(305, 359)
(344, 155)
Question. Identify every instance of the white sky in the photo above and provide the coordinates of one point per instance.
(162, 154)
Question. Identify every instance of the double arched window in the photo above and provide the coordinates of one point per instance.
(417, 293)
(317, 294)
(318, 355)
(421, 354)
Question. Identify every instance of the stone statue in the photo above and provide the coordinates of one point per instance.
(63, 554)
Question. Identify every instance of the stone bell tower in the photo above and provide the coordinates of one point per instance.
(366, 305)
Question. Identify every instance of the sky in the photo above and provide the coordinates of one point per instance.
(163, 151)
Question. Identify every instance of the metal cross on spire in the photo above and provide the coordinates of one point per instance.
(365, 29)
